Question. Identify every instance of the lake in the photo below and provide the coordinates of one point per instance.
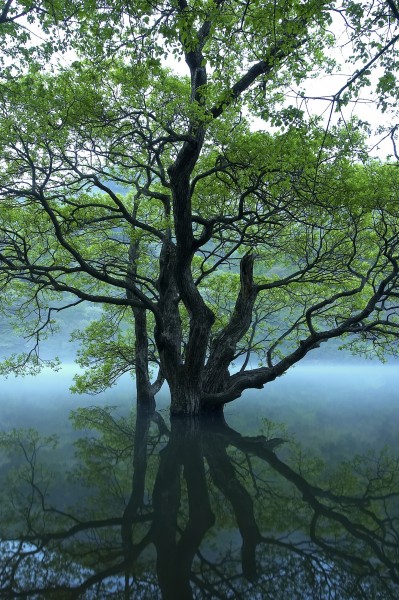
(294, 494)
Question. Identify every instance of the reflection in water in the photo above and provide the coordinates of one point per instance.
(193, 510)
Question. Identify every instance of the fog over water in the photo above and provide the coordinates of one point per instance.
(355, 404)
(331, 412)
(328, 387)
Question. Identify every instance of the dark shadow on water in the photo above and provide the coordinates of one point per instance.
(193, 509)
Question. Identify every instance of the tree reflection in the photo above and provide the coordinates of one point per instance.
(193, 510)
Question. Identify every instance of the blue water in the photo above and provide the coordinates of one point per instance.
(348, 385)
(327, 405)
(331, 411)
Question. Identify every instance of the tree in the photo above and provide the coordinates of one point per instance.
(32, 32)
(153, 194)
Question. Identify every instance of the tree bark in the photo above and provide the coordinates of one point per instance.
(224, 346)
(144, 390)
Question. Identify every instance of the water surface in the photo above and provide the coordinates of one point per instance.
(295, 494)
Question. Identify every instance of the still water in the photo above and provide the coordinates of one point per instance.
(294, 495)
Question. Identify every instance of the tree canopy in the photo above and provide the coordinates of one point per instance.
(165, 161)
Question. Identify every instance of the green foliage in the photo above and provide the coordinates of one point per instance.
(106, 352)
(135, 186)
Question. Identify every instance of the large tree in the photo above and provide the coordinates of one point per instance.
(214, 221)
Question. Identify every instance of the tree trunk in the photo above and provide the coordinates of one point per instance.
(185, 394)
(145, 395)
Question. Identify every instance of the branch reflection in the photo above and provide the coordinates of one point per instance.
(192, 510)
